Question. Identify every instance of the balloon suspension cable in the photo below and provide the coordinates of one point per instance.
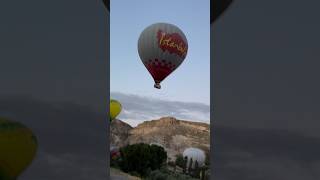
(157, 85)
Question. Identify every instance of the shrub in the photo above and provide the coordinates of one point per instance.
(157, 175)
(179, 160)
(142, 158)
(196, 171)
(164, 174)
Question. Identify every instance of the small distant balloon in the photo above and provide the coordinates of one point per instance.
(162, 48)
(18, 147)
(115, 109)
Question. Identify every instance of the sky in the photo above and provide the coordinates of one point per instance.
(191, 81)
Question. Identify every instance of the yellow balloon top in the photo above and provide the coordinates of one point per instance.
(115, 109)
(18, 146)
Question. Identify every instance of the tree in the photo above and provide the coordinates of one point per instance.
(179, 160)
(196, 172)
(207, 160)
(190, 167)
(142, 158)
(159, 156)
(185, 164)
(203, 173)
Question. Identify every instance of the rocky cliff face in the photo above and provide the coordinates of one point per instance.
(174, 135)
(119, 133)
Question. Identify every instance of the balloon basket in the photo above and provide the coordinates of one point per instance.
(157, 85)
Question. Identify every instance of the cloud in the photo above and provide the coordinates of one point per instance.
(137, 109)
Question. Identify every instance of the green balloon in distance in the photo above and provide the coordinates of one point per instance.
(18, 147)
(115, 109)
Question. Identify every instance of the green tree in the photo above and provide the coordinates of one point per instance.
(196, 172)
(207, 160)
(159, 156)
(203, 173)
(185, 164)
(179, 160)
(142, 158)
(190, 166)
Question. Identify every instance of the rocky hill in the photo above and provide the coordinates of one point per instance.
(119, 133)
(173, 134)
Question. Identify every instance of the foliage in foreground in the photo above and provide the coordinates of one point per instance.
(140, 159)
(164, 174)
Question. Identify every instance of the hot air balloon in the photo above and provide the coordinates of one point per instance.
(217, 7)
(162, 48)
(18, 146)
(115, 153)
(196, 155)
(115, 109)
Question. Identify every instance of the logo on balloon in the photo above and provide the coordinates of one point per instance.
(172, 43)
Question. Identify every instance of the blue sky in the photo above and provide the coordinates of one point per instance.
(191, 81)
